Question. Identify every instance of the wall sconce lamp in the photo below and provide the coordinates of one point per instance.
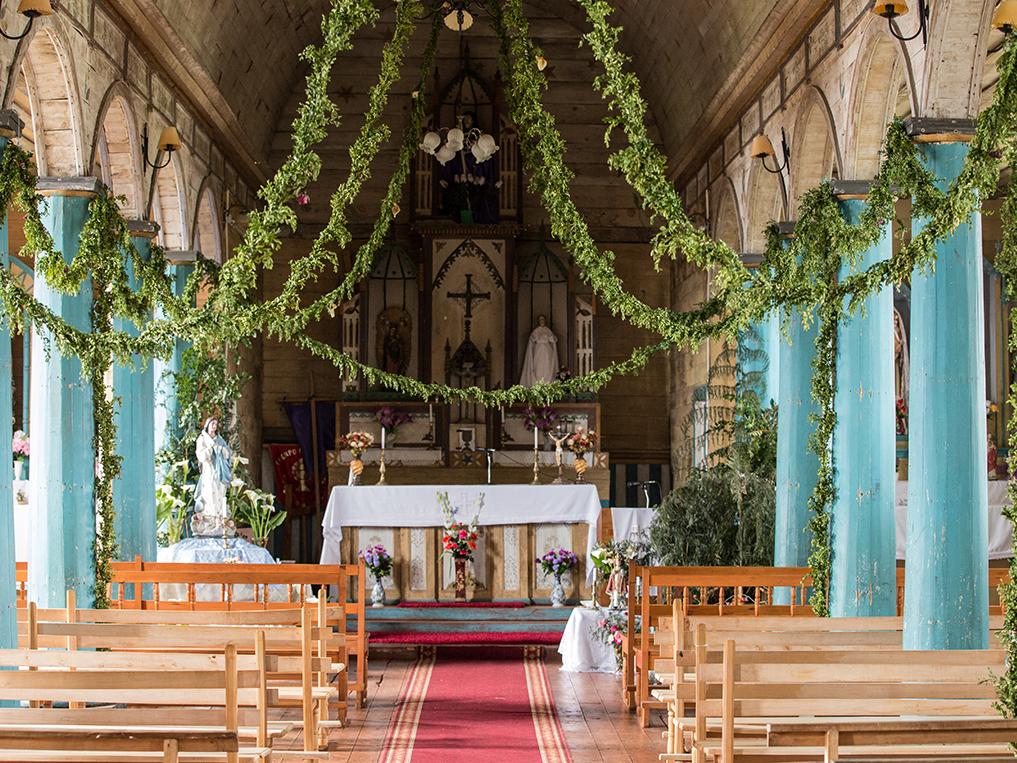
(1005, 17)
(169, 141)
(762, 149)
(892, 9)
(30, 9)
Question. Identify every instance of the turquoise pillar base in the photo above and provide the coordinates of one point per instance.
(134, 489)
(863, 579)
(63, 459)
(946, 593)
(8, 612)
(796, 464)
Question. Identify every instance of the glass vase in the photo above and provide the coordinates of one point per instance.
(378, 594)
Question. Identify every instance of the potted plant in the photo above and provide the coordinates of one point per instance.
(459, 540)
(377, 561)
(556, 563)
(581, 442)
(20, 447)
(356, 443)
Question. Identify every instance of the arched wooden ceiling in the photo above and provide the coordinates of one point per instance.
(697, 59)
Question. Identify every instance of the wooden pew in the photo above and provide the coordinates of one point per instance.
(301, 651)
(133, 581)
(73, 744)
(725, 591)
(204, 692)
(747, 690)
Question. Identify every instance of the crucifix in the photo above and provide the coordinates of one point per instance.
(469, 297)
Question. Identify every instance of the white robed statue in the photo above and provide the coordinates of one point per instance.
(541, 361)
(215, 461)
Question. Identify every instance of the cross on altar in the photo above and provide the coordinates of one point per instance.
(469, 297)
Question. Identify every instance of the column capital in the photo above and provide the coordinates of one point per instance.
(751, 260)
(181, 256)
(142, 228)
(850, 189)
(786, 228)
(933, 130)
(69, 186)
(10, 124)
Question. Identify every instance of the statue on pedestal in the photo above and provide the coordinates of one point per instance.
(541, 361)
(215, 461)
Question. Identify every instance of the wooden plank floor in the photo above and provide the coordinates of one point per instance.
(596, 726)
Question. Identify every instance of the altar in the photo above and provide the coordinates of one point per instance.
(519, 523)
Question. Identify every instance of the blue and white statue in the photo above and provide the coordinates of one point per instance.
(215, 459)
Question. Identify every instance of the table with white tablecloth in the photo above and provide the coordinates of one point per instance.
(580, 650)
(413, 506)
(215, 551)
(1000, 529)
(629, 523)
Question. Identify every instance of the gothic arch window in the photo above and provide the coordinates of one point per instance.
(207, 233)
(544, 292)
(391, 336)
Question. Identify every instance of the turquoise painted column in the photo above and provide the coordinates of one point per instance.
(8, 614)
(62, 426)
(796, 464)
(134, 489)
(946, 580)
(863, 576)
(180, 264)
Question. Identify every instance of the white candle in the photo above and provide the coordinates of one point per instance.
(383, 438)
(534, 436)
(430, 413)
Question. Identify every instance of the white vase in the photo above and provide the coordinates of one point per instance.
(19, 468)
(378, 594)
(557, 593)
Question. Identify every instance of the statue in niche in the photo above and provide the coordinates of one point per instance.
(394, 341)
(469, 189)
(540, 363)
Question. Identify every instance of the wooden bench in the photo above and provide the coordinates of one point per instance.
(138, 585)
(166, 693)
(301, 662)
(84, 743)
(742, 693)
(725, 591)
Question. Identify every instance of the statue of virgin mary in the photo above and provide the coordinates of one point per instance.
(215, 460)
(541, 361)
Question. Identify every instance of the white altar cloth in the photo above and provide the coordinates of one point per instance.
(1000, 535)
(580, 651)
(630, 523)
(417, 506)
(214, 551)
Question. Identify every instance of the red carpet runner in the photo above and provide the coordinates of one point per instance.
(472, 704)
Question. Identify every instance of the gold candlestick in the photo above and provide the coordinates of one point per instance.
(536, 467)
(381, 468)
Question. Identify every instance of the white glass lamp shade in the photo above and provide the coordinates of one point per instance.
(430, 143)
(478, 153)
(444, 154)
(488, 145)
(454, 139)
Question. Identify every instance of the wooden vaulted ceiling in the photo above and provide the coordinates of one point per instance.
(699, 60)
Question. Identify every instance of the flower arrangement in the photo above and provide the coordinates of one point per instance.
(902, 416)
(543, 419)
(581, 442)
(610, 630)
(377, 560)
(172, 500)
(616, 555)
(459, 540)
(257, 509)
(558, 561)
(356, 442)
(20, 446)
(392, 418)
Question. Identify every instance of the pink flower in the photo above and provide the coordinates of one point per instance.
(303, 199)
(463, 533)
(617, 637)
(602, 622)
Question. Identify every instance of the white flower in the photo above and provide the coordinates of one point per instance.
(242, 460)
(237, 482)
